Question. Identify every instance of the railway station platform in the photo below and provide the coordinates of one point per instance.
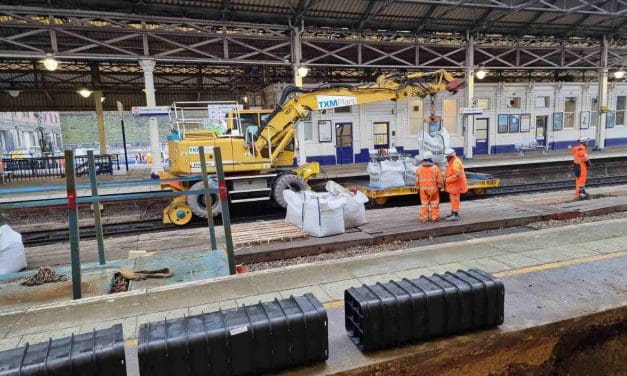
(488, 214)
(485, 161)
(347, 172)
(560, 283)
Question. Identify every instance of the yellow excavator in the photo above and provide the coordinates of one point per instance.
(259, 162)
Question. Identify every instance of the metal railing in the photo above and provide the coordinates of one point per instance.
(18, 169)
(72, 201)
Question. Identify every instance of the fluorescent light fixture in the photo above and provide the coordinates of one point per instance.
(13, 93)
(619, 73)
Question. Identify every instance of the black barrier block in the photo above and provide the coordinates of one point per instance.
(395, 313)
(254, 339)
(99, 353)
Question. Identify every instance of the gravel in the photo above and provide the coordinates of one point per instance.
(574, 221)
(349, 252)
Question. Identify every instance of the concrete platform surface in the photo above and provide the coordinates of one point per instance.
(544, 310)
(327, 280)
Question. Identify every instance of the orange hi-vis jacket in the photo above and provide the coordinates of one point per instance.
(455, 177)
(429, 177)
(580, 154)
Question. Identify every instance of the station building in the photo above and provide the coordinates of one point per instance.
(538, 115)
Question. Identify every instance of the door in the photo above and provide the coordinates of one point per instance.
(344, 143)
(381, 135)
(481, 135)
(541, 123)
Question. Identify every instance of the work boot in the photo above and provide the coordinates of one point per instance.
(453, 217)
(448, 217)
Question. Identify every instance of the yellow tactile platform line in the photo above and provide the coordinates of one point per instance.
(528, 269)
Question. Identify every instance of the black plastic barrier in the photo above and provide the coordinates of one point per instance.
(99, 353)
(395, 313)
(253, 339)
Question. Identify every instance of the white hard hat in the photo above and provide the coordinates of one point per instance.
(449, 152)
(427, 155)
(583, 139)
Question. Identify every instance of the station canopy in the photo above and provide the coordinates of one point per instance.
(207, 50)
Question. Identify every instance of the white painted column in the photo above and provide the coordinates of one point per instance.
(602, 98)
(602, 116)
(148, 67)
(469, 97)
(301, 156)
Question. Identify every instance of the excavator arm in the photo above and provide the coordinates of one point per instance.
(296, 103)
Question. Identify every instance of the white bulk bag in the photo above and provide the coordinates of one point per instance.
(410, 172)
(294, 202)
(355, 209)
(336, 188)
(392, 175)
(323, 214)
(374, 172)
(12, 256)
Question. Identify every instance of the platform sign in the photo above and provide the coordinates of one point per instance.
(150, 111)
(471, 111)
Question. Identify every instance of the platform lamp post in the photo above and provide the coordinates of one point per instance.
(121, 115)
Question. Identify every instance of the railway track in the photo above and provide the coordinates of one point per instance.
(40, 237)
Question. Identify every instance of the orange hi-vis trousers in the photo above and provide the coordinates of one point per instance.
(580, 181)
(455, 199)
(429, 199)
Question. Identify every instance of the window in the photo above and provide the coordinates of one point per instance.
(594, 115)
(307, 130)
(449, 115)
(483, 103)
(570, 107)
(620, 109)
(381, 135)
(513, 102)
(343, 110)
(543, 102)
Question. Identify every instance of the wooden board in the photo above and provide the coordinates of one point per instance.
(246, 234)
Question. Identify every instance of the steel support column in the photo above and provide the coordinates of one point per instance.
(148, 67)
(602, 98)
(469, 97)
(102, 138)
(297, 54)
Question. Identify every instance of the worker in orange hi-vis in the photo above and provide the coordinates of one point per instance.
(454, 182)
(580, 165)
(429, 182)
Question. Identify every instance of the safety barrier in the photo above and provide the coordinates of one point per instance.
(72, 200)
(20, 169)
(395, 313)
(98, 353)
(249, 340)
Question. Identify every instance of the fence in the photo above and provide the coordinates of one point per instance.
(53, 167)
(72, 201)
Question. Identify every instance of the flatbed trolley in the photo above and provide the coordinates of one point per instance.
(477, 183)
